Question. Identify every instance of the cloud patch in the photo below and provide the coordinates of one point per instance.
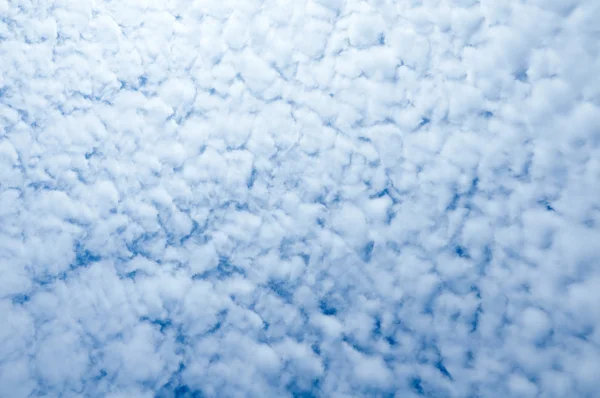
(308, 198)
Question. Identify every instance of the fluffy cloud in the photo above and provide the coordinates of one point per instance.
(302, 198)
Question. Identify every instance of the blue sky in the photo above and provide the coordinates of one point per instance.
(307, 198)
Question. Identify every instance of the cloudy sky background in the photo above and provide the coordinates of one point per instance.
(322, 198)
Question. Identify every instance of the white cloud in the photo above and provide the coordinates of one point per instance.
(322, 197)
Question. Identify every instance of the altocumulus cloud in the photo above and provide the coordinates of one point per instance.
(301, 198)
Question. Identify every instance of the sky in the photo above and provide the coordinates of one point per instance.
(299, 198)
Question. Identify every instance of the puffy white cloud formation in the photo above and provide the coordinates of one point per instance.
(299, 198)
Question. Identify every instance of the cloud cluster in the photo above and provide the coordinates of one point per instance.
(299, 198)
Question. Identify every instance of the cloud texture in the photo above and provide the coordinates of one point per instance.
(307, 198)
